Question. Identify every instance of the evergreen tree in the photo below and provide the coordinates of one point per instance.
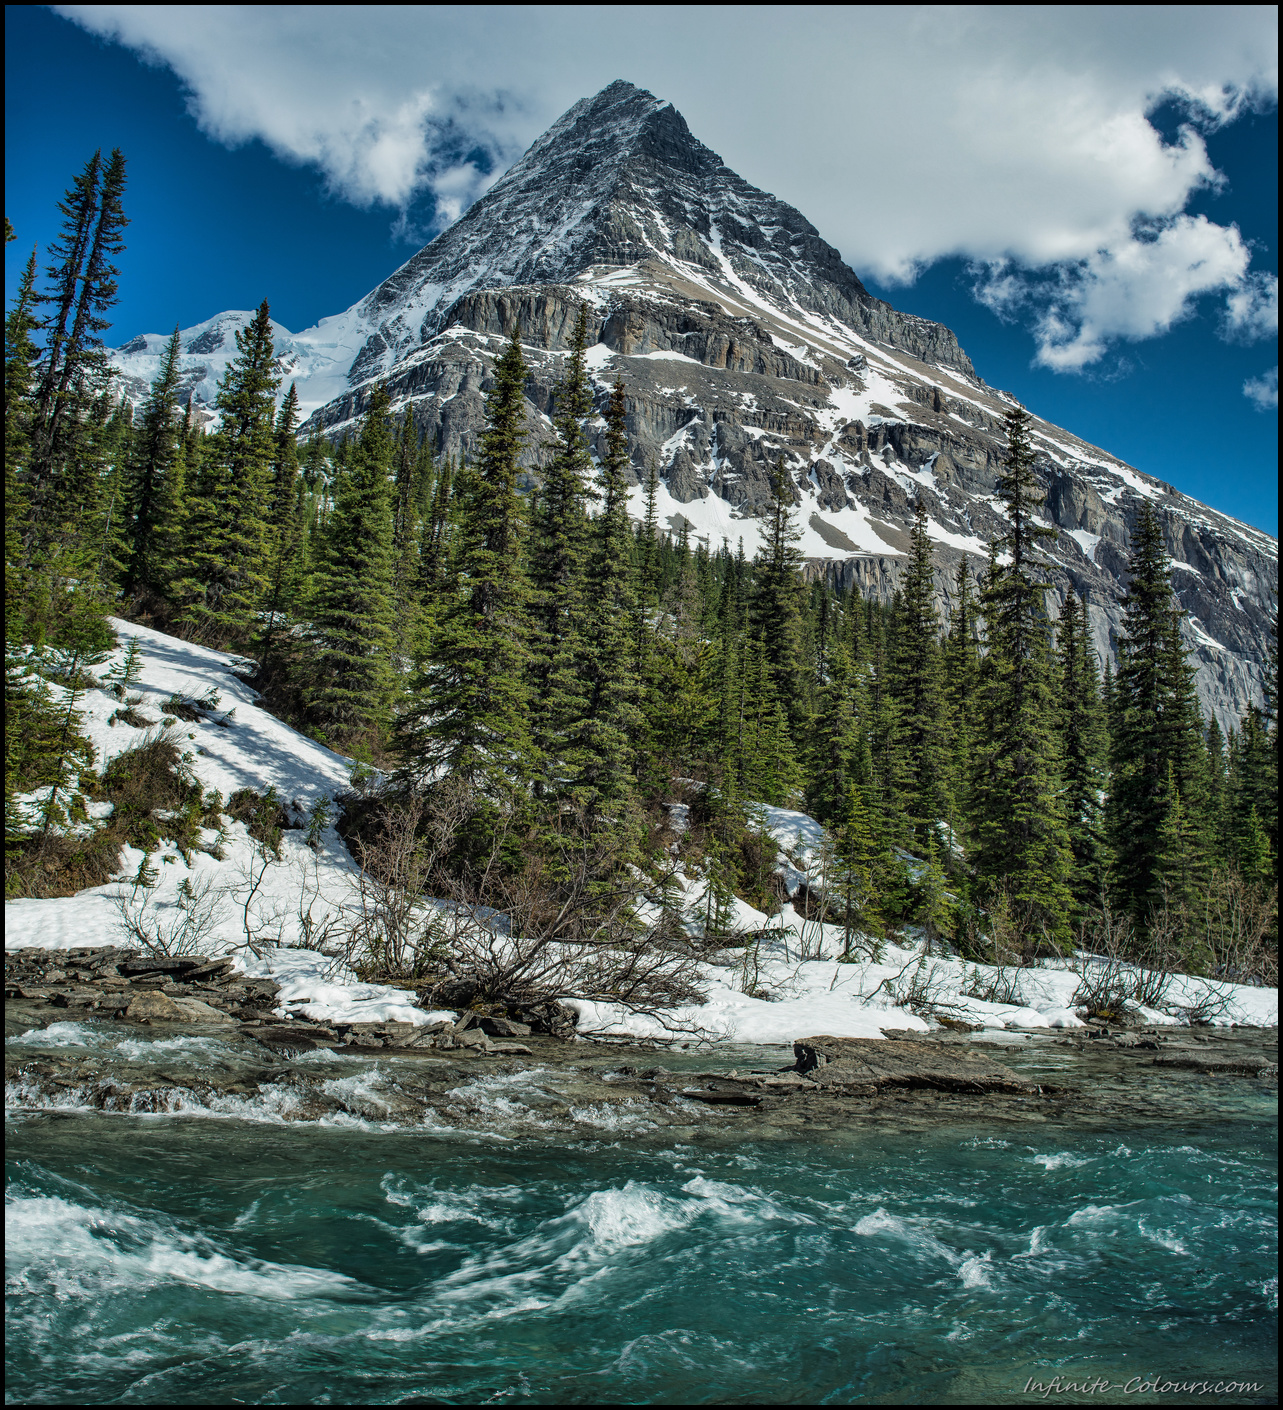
(1082, 745)
(919, 688)
(1157, 752)
(73, 369)
(225, 559)
(612, 715)
(405, 534)
(835, 741)
(351, 676)
(961, 673)
(155, 451)
(1017, 832)
(557, 562)
(19, 377)
(470, 719)
(68, 436)
(286, 524)
(776, 608)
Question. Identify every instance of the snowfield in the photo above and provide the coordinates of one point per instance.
(796, 985)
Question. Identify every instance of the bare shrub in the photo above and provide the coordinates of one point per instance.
(183, 927)
(1236, 925)
(529, 921)
(1105, 975)
(925, 991)
(997, 984)
(397, 933)
(51, 864)
(920, 988)
(1158, 955)
(1211, 1001)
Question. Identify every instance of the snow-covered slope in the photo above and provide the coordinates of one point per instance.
(317, 360)
(742, 339)
(241, 746)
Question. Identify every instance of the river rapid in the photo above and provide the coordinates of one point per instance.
(239, 1256)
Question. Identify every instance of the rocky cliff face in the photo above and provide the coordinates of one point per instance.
(741, 338)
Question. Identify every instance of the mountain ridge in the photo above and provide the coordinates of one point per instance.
(742, 338)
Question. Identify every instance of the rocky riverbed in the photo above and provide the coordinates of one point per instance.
(121, 1032)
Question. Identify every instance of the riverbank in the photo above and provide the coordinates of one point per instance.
(285, 1073)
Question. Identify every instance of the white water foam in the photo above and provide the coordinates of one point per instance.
(54, 1246)
(59, 1035)
(1060, 1160)
(973, 1269)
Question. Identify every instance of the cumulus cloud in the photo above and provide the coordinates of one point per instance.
(1252, 310)
(1136, 289)
(1015, 137)
(1263, 391)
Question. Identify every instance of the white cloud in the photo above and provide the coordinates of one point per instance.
(1263, 390)
(1137, 288)
(1252, 310)
(1015, 137)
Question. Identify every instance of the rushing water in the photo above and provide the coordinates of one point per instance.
(192, 1260)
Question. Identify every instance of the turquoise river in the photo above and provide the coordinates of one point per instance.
(186, 1259)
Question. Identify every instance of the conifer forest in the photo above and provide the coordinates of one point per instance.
(527, 675)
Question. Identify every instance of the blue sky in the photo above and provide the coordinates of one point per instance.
(1108, 261)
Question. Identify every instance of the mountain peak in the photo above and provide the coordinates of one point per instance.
(621, 122)
(620, 182)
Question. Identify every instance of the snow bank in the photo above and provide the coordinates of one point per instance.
(798, 984)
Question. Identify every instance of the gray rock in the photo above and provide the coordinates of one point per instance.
(151, 1006)
(498, 1027)
(870, 1065)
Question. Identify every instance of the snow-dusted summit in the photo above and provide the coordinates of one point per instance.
(741, 337)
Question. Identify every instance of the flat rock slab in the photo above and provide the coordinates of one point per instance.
(151, 1006)
(865, 1066)
(1237, 1065)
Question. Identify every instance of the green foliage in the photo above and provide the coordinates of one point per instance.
(224, 557)
(922, 740)
(153, 461)
(1017, 829)
(1157, 809)
(470, 709)
(558, 554)
(1083, 747)
(350, 672)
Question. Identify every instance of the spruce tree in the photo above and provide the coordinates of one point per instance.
(1017, 831)
(155, 451)
(1082, 745)
(612, 715)
(1157, 752)
(470, 717)
(350, 686)
(83, 279)
(285, 524)
(919, 688)
(69, 433)
(225, 565)
(776, 606)
(557, 562)
(19, 376)
(405, 534)
(961, 673)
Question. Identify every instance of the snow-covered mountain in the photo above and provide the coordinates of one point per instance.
(741, 336)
